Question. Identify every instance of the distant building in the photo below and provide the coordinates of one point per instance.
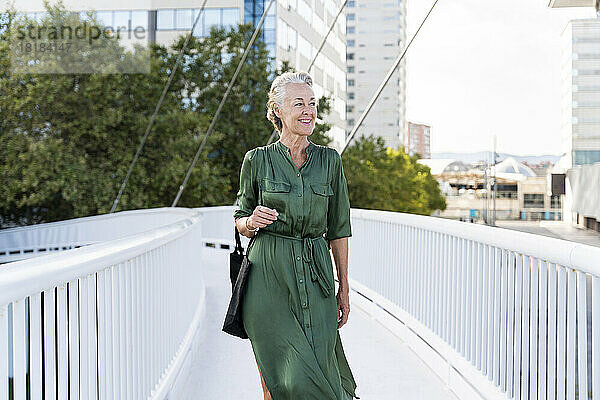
(576, 177)
(581, 94)
(375, 37)
(574, 3)
(583, 196)
(418, 140)
(521, 193)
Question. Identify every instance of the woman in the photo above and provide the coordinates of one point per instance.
(291, 193)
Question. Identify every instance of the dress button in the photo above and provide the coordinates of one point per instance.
(307, 325)
(298, 174)
(299, 194)
(298, 258)
(301, 280)
(304, 304)
(300, 217)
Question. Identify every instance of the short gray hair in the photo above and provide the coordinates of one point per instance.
(277, 93)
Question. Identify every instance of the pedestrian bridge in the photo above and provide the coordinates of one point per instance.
(130, 306)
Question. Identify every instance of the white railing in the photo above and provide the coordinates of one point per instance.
(35, 240)
(495, 312)
(112, 320)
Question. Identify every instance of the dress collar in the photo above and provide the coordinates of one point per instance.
(284, 148)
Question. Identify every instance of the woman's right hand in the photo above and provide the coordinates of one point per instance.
(262, 216)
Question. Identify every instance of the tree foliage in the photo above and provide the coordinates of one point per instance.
(388, 179)
(68, 139)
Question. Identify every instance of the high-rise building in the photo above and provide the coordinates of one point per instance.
(375, 36)
(581, 91)
(418, 140)
(292, 31)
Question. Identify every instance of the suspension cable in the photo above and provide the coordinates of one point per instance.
(382, 85)
(229, 86)
(158, 105)
(326, 35)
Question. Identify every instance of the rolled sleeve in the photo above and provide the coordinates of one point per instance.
(248, 193)
(338, 211)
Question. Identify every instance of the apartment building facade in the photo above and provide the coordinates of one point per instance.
(375, 36)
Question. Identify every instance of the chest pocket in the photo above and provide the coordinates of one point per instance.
(274, 194)
(319, 203)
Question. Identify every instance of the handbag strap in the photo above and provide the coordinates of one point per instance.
(238, 243)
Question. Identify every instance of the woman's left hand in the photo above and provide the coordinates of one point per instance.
(343, 304)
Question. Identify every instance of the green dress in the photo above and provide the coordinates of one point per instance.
(289, 308)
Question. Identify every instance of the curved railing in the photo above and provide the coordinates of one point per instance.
(495, 313)
(35, 240)
(111, 320)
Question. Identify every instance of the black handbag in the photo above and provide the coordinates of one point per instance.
(239, 267)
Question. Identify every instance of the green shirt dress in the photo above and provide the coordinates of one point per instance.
(289, 307)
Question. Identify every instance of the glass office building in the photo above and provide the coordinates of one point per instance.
(253, 11)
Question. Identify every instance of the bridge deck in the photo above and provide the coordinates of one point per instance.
(223, 367)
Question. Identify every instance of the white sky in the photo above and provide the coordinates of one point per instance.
(482, 68)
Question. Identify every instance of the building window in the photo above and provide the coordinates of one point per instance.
(231, 16)
(351, 3)
(350, 56)
(121, 20)
(589, 56)
(350, 122)
(165, 19)
(139, 18)
(350, 82)
(350, 95)
(350, 68)
(349, 109)
(350, 43)
(533, 200)
(212, 18)
(350, 17)
(555, 201)
(581, 157)
(350, 29)
(183, 18)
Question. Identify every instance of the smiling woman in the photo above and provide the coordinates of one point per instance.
(293, 195)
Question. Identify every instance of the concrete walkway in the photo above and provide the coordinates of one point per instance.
(555, 229)
(224, 368)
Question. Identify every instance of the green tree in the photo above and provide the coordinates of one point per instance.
(68, 139)
(387, 179)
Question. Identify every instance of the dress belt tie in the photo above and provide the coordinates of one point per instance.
(316, 270)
